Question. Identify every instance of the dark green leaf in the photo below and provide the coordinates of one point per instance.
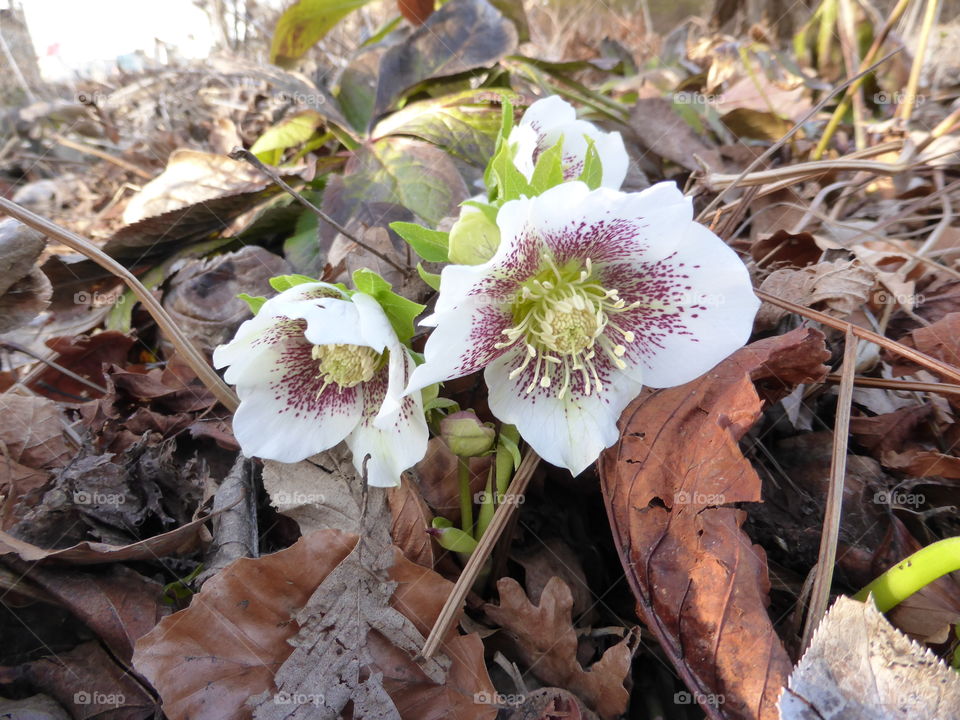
(460, 36)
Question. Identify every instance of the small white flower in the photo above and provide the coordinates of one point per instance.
(551, 118)
(591, 295)
(316, 367)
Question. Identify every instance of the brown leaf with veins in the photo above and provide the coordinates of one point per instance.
(700, 583)
(547, 644)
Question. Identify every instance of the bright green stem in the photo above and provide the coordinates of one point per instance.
(486, 508)
(466, 501)
(916, 572)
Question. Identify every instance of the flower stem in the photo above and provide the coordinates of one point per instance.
(916, 572)
(466, 501)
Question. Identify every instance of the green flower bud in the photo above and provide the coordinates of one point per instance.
(474, 238)
(466, 435)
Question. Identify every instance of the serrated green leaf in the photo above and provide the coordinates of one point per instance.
(431, 279)
(429, 244)
(549, 168)
(592, 173)
(399, 311)
(285, 282)
(303, 24)
(255, 302)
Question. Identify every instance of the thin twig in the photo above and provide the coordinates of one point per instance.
(826, 560)
(932, 364)
(790, 133)
(246, 155)
(56, 366)
(469, 575)
(190, 354)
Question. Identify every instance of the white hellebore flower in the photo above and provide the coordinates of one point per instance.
(590, 296)
(551, 118)
(315, 367)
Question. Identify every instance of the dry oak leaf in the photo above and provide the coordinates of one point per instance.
(230, 644)
(700, 583)
(836, 288)
(859, 667)
(547, 643)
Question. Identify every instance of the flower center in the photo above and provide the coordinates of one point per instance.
(563, 316)
(345, 365)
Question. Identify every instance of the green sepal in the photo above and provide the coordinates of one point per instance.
(431, 279)
(429, 244)
(549, 168)
(399, 311)
(285, 282)
(255, 302)
(592, 173)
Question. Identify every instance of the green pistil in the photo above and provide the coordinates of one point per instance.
(562, 315)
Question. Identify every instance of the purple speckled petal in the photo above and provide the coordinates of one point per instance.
(697, 307)
(283, 415)
(570, 432)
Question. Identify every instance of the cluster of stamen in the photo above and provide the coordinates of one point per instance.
(563, 318)
(345, 365)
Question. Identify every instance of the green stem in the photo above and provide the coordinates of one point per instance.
(916, 572)
(466, 501)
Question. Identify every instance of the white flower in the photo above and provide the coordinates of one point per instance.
(591, 295)
(316, 367)
(551, 118)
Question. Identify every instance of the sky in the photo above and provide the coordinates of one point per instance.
(89, 34)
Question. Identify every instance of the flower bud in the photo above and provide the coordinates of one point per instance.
(474, 238)
(466, 435)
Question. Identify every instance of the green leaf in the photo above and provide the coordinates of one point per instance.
(285, 282)
(465, 124)
(431, 279)
(289, 132)
(592, 173)
(255, 302)
(549, 168)
(303, 24)
(399, 311)
(431, 245)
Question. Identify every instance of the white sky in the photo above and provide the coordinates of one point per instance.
(94, 32)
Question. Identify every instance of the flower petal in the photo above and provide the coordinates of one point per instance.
(395, 440)
(462, 343)
(283, 414)
(697, 307)
(569, 432)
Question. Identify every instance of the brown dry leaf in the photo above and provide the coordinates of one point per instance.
(235, 639)
(663, 132)
(859, 667)
(411, 518)
(32, 431)
(318, 493)
(836, 288)
(700, 583)
(547, 643)
(191, 177)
